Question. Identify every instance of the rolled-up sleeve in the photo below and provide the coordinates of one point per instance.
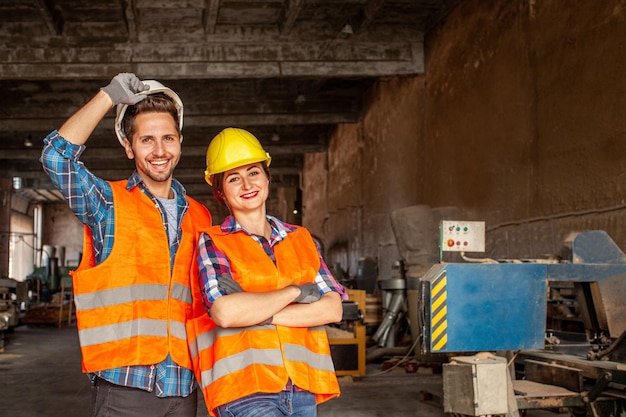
(213, 265)
(326, 282)
(81, 189)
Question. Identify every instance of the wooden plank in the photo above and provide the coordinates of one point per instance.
(554, 374)
(537, 390)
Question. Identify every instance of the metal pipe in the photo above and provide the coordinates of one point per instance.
(383, 331)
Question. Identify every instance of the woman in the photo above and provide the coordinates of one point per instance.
(268, 293)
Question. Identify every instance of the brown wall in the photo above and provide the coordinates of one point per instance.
(371, 170)
(533, 98)
(518, 121)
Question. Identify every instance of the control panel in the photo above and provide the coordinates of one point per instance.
(461, 236)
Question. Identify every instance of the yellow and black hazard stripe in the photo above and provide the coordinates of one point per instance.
(438, 312)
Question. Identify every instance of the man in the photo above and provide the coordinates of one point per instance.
(132, 289)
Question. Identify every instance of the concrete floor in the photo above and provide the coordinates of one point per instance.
(40, 376)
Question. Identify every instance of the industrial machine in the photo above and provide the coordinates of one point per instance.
(491, 319)
(12, 296)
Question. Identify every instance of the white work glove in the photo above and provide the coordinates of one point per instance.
(309, 293)
(123, 88)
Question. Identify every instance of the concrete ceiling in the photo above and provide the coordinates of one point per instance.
(287, 70)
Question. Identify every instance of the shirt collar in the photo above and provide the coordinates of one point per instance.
(135, 180)
(231, 225)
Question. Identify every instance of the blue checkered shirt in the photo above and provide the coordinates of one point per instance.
(91, 200)
(214, 263)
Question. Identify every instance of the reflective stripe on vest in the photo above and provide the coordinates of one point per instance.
(272, 357)
(177, 329)
(181, 293)
(133, 328)
(121, 295)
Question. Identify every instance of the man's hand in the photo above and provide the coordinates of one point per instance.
(123, 88)
(309, 293)
(229, 285)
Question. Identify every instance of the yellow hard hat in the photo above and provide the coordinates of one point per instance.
(232, 148)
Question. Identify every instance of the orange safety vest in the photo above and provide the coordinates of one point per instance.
(130, 310)
(232, 363)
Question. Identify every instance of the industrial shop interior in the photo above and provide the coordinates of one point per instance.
(460, 165)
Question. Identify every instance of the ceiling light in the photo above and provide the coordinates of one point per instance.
(347, 30)
(28, 142)
(300, 98)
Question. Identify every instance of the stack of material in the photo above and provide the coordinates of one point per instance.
(373, 310)
(47, 314)
(335, 333)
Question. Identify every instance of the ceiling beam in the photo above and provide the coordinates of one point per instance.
(213, 61)
(52, 21)
(39, 179)
(204, 101)
(367, 15)
(116, 151)
(212, 70)
(271, 119)
(289, 15)
(49, 194)
(209, 16)
(27, 124)
(392, 50)
(130, 18)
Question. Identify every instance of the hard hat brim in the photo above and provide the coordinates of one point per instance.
(208, 177)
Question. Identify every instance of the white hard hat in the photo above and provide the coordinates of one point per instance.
(155, 87)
